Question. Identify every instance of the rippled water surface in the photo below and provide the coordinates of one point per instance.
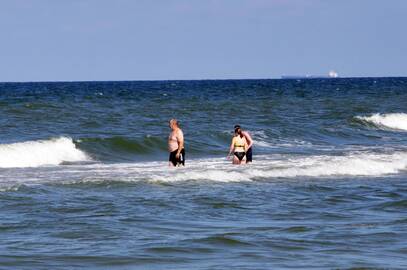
(84, 182)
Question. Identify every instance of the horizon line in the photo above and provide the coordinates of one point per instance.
(218, 79)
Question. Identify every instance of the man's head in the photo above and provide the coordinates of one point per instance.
(174, 123)
(237, 126)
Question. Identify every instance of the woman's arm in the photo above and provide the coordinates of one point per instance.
(232, 146)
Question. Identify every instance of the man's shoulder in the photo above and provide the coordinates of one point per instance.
(179, 132)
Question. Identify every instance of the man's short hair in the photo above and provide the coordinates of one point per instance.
(175, 121)
(237, 126)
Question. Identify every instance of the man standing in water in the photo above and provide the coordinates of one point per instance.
(249, 140)
(176, 145)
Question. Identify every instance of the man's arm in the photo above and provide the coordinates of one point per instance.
(180, 140)
(248, 139)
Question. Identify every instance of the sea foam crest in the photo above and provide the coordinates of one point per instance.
(221, 170)
(354, 164)
(40, 153)
(396, 121)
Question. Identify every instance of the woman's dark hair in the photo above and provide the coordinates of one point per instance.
(238, 130)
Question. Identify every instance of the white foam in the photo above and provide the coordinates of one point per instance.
(355, 164)
(282, 143)
(40, 153)
(396, 121)
(352, 164)
(264, 168)
(274, 166)
(261, 139)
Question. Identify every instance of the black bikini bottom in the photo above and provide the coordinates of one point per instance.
(240, 155)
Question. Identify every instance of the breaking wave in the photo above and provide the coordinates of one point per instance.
(264, 168)
(40, 153)
(396, 121)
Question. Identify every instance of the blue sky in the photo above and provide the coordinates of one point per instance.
(49, 40)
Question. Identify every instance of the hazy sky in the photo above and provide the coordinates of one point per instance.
(54, 40)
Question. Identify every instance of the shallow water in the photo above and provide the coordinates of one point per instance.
(84, 181)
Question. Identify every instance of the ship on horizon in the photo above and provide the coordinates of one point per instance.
(331, 75)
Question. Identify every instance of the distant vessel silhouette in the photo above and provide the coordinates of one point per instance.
(331, 75)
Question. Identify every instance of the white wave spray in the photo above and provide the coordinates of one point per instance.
(264, 168)
(397, 121)
(351, 164)
(40, 153)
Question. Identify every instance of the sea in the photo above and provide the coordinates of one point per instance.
(85, 181)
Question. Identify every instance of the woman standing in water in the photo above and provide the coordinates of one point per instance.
(238, 147)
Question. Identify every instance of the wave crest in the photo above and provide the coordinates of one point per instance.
(40, 153)
(396, 121)
(219, 170)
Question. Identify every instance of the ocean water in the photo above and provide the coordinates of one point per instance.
(84, 181)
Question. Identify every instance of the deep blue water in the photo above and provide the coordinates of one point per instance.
(84, 181)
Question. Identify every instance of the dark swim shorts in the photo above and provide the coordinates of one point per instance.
(177, 161)
(249, 155)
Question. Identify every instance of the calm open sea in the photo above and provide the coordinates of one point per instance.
(84, 182)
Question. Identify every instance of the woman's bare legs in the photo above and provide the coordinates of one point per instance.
(236, 160)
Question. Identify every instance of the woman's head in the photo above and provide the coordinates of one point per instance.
(238, 131)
